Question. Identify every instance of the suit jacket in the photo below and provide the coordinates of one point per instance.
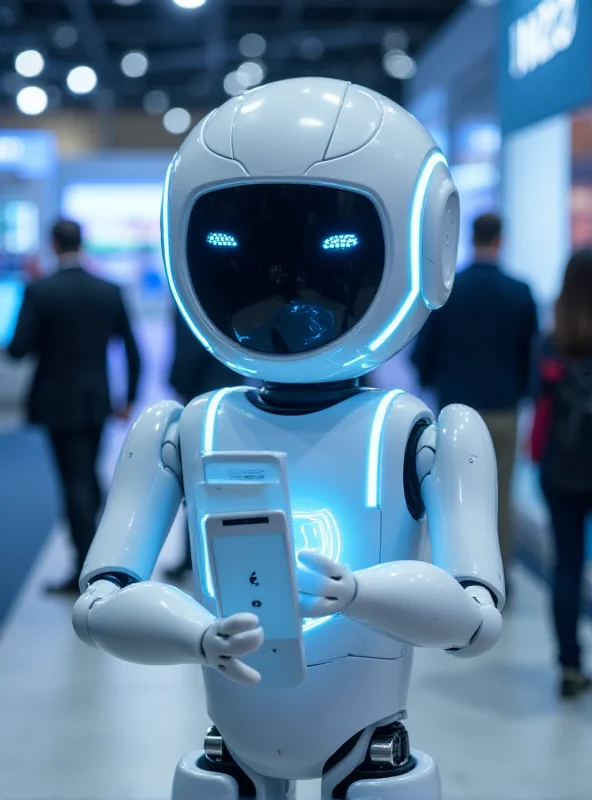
(66, 321)
(478, 348)
(194, 370)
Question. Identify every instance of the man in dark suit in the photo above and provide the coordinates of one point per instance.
(66, 321)
(194, 371)
(478, 349)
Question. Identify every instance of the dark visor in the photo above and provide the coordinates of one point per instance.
(285, 268)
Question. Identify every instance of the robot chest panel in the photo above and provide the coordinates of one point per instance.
(333, 469)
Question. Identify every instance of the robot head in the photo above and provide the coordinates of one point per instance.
(308, 228)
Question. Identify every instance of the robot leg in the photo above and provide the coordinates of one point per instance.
(389, 770)
(213, 774)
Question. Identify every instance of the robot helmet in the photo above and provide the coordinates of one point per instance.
(308, 227)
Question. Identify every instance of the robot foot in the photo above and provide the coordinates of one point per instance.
(390, 771)
(213, 774)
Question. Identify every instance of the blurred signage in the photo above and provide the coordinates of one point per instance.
(28, 154)
(543, 33)
(546, 59)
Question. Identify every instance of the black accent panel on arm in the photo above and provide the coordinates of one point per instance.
(120, 579)
(411, 482)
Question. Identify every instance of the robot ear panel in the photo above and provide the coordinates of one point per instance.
(440, 236)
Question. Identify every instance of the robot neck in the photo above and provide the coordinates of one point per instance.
(301, 398)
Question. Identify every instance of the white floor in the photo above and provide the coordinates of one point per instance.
(78, 725)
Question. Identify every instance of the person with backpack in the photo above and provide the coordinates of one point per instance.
(562, 445)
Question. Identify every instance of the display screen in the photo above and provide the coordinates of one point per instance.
(253, 574)
(285, 268)
(11, 295)
(121, 226)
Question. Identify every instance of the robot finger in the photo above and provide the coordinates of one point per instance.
(241, 644)
(237, 623)
(315, 584)
(317, 562)
(315, 606)
(238, 672)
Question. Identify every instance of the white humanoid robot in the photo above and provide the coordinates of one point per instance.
(309, 227)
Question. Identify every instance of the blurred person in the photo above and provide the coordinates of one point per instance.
(66, 321)
(194, 371)
(478, 351)
(562, 445)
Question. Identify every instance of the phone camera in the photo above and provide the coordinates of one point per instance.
(256, 603)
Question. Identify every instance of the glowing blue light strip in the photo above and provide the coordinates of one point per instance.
(166, 253)
(415, 246)
(375, 449)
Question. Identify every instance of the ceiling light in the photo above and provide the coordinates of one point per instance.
(399, 65)
(312, 48)
(396, 39)
(189, 3)
(81, 80)
(32, 100)
(177, 120)
(65, 36)
(252, 45)
(232, 85)
(156, 102)
(134, 64)
(249, 74)
(29, 63)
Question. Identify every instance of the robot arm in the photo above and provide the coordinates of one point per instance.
(121, 611)
(457, 469)
(451, 603)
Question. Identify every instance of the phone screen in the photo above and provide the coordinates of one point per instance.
(254, 574)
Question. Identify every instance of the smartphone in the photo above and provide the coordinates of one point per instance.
(253, 570)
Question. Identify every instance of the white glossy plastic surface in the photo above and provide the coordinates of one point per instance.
(460, 496)
(317, 131)
(440, 238)
(143, 501)
(145, 623)
(417, 603)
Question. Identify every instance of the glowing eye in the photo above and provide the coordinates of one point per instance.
(221, 240)
(343, 241)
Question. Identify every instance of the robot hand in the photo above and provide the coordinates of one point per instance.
(227, 639)
(326, 587)
(490, 629)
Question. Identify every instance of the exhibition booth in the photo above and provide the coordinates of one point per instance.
(545, 93)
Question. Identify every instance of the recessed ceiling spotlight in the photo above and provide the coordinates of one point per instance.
(250, 74)
(32, 100)
(252, 45)
(177, 120)
(396, 39)
(232, 84)
(29, 63)
(399, 65)
(189, 3)
(134, 64)
(65, 36)
(81, 80)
